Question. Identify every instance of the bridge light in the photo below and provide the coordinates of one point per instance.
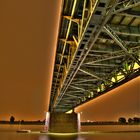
(113, 80)
(69, 112)
(89, 96)
(136, 66)
(98, 89)
(120, 76)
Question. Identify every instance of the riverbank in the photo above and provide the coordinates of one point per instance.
(82, 123)
(109, 123)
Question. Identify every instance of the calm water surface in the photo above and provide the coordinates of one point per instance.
(107, 132)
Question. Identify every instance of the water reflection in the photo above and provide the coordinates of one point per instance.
(91, 136)
(60, 137)
(8, 132)
(43, 137)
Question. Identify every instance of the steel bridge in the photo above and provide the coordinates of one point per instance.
(98, 49)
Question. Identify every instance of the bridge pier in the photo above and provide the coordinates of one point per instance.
(59, 122)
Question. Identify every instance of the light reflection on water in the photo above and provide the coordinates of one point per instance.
(43, 137)
(8, 132)
(75, 137)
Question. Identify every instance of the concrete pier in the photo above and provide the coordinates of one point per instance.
(64, 123)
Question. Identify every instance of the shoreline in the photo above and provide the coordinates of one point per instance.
(82, 123)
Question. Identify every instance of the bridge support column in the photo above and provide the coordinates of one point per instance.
(64, 123)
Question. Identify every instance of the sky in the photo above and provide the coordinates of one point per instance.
(28, 40)
(28, 37)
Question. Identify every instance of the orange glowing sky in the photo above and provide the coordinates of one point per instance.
(28, 37)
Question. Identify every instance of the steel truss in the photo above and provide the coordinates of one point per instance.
(98, 49)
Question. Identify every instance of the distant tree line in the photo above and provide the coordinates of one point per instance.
(130, 120)
(12, 121)
(121, 120)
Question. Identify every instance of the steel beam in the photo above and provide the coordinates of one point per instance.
(116, 38)
(76, 20)
(117, 54)
(100, 65)
(89, 73)
(67, 34)
(76, 91)
(127, 6)
(126, 30)
(73, 96)
(83, 84)
(83, 18)
(84, 81)
(129, 14)
(127, 41)
(78, 88)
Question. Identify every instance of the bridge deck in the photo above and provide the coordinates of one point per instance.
(98, 49)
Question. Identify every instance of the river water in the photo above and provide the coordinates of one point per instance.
(97, 132)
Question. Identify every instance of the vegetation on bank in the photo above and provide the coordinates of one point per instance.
(121, 121)
(24, 122)
(12, 121)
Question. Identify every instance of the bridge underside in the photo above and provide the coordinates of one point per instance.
(98, 49)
